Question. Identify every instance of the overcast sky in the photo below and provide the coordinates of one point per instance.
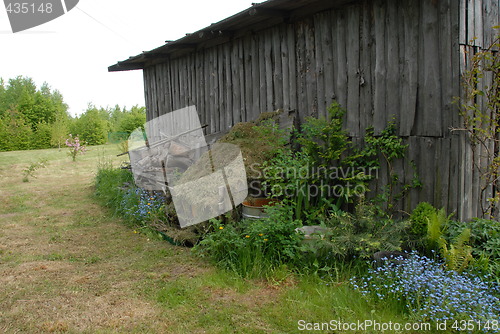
(72, 52)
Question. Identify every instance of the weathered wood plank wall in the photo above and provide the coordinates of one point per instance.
(476, 19)
(382, 60)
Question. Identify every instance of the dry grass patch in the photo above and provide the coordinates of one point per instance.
(68, 266)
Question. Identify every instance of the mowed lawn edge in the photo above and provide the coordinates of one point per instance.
(68, 265)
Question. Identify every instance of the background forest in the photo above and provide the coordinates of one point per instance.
(34, 117)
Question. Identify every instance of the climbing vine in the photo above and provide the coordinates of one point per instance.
(480, 110)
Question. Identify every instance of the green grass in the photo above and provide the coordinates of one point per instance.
(69, 265)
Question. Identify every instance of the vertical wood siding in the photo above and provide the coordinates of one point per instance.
(382, 60)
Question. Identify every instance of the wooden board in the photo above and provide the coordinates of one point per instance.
(409, 77)
(353, 68)
(380, 115)
(377, 58)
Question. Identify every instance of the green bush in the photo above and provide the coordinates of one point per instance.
(322, 168)
(386, 148)
(288, 176)
(419, 218)
(324, 140)
(363, 233)
(327, 165)
(417, 231)
(484, 240)
(254, 248)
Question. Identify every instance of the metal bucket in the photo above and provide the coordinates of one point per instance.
(254, 208)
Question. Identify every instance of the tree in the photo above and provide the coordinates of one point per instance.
(133, 119)
(42, 136)
(15, 133)
(59, 130)
(91, 127)
(24, 106)
(17, 93)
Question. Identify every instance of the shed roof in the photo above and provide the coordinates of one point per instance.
(257, 17)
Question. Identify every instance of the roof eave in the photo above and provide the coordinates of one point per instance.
(264, 14)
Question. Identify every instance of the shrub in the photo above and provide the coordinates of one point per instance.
(228, 248)
(328, 165)
(253, 248)
(419, 218)
(288, 175)
(484, 240)
(456, 252)
(324, 140)
(430, 293)
(363, 233)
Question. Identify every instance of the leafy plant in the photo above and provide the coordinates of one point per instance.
(317, 170)
(390, 147)
(254, 248)
(32, 168)
(417, 229)
(288, 176)
(324, 140)
(485, 243)
(437, 223)
(456, 253)
(363, 233)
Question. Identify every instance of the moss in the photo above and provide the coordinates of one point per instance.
(256, 140)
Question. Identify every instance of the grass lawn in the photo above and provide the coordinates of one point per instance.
(67, 265)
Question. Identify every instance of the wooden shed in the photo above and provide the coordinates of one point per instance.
(380, 59)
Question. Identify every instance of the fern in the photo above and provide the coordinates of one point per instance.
(458, 256)
(436, 228)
